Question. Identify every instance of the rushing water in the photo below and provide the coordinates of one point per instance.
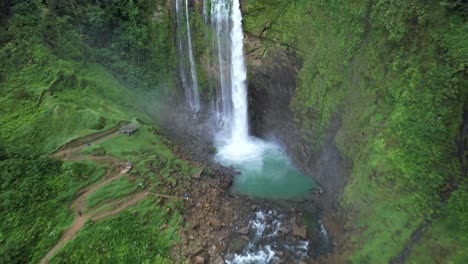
(264, 243)
(265, 169)
(184, 50)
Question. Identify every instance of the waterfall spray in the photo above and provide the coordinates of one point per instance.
(240, 129)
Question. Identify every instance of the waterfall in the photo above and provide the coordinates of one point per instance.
(240, 129)
(226, 19)
(184, 50)
(222, 46)
(205, 10)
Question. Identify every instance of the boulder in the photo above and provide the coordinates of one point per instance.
(299, 231)
(218, 260)
(199, 260)
(243, 231)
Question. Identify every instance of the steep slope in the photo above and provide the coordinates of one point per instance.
(385, 84)
(70, 69)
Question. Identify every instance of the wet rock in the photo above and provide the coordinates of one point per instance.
(229, 256)
(284, 229)
(243, 231)
(238, 244)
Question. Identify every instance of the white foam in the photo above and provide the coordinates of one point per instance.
(261, 256)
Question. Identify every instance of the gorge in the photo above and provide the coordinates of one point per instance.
(253, 131)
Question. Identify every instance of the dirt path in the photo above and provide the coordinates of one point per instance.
(67, 153)
(79, 204)
(121, 205)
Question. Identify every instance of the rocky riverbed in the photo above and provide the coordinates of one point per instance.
(223, 227)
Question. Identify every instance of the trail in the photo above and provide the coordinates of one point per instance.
(79, 203)
(68, 152)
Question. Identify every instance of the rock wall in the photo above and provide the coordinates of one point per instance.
(272, 83)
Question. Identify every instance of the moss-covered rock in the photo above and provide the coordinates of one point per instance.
(381, 81)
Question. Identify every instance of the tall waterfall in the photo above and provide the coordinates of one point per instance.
(184, 50)
(265, 170)
(226, 19)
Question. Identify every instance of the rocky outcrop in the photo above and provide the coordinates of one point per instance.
(272, 83)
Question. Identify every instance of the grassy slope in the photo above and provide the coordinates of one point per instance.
(155, 164)
(35, 195)
(86, 98)
(392, 73)
(113, 190)
(134, 236)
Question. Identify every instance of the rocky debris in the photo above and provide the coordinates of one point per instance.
(218, 222)
(210, 216)
(199, 260)
(238, 244)
(285, 229)
(218, 260)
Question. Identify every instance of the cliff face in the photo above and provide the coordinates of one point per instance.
(272, 85)
(368, 99)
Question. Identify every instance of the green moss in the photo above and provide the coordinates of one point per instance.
(391, 73)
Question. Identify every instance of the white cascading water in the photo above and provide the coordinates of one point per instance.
(240, 128)
(184, 49)
(233, 139)
(264, 230)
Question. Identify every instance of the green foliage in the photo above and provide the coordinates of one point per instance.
(394, 74)
(113, 190)
(154, 160)
(70, 69)
(136, 235)
(34, 194)
(446, 238)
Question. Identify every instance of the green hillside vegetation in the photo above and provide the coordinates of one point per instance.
(71, 69)
(113, 190)
(142, 234)
(394, 73)
(35, 193)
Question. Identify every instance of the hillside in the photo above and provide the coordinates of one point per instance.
(368, 98)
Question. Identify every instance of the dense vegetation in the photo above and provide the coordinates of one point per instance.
(143, 234)
(394, 74)
(91, 50)
(35, 193)
(68, 69)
